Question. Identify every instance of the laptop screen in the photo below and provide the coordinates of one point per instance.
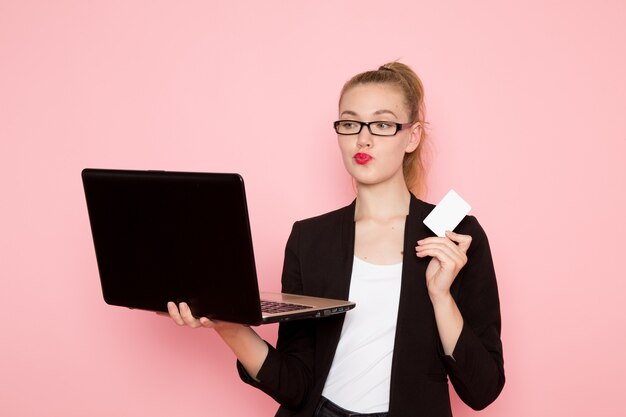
(171, 236)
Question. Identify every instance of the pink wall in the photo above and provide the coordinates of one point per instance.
(526, 103)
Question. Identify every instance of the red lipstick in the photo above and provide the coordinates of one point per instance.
(362, 158)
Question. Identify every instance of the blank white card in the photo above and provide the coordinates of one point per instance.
(447, 214)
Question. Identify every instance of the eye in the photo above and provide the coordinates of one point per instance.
(347, 124)
(384, 125)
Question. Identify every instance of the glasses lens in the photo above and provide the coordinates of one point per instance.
(384, 128)
(347, 127)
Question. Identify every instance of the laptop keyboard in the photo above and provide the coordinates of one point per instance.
(277, 307)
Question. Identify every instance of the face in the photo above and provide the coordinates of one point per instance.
(374, 159)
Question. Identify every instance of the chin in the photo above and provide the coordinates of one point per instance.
(372, 178)
(367, 180)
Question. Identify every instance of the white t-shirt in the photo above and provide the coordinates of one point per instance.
(360, 374)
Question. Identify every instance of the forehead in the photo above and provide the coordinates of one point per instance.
(371, 99)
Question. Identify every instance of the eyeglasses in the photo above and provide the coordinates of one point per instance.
(381, 128)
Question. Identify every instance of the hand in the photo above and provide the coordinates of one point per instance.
(182, 316)
(448, 257)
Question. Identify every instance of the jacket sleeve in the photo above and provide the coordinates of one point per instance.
(476, 367)
(286, 374)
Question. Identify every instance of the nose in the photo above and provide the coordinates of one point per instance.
(364, 138)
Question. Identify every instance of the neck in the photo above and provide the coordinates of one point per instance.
(382, 201)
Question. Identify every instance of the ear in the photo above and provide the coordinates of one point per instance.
(414, 140)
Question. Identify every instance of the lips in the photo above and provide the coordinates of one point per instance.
(362, 158)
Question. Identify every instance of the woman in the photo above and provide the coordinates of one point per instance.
(427, 307)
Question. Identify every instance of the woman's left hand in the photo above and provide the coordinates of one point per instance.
(448, 257)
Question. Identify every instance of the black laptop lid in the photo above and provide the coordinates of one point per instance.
(174, 236)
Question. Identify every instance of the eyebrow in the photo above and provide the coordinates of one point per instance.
(377, 113)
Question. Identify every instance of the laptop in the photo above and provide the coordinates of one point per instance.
(182, 236)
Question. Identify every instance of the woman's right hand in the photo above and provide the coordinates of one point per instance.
(182, 316)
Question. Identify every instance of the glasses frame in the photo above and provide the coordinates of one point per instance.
(399, 126)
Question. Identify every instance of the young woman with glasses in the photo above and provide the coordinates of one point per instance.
(427, 307)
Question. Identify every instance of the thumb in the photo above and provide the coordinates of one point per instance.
(464, 241)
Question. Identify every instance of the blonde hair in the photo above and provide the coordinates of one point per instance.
(401, 75)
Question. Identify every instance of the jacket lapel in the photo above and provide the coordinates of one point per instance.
(415, 325)
(347, 249)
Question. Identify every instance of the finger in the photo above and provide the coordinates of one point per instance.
(437, 240)
(432, 239)
(448, 259)
(447, 256)
(206, 322)
(444, 244)
(174, 313)
(464, 241)
(186, 314)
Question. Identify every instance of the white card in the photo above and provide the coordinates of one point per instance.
(447, 214)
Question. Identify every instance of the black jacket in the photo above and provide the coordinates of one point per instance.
(318, 262)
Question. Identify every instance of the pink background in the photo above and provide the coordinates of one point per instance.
(526, 105)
